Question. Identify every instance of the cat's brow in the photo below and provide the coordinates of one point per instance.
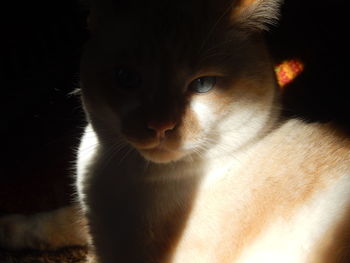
(217, 22)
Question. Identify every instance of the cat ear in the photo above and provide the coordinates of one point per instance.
(255, 15)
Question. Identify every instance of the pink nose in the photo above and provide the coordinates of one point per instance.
(161, 127)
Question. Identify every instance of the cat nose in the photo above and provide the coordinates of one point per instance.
(161, 127)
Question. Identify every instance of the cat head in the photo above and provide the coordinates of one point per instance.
(178, 78)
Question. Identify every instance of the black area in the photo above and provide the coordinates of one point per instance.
(315, 32)
(40, 46)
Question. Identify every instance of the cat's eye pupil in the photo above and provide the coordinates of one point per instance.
(127, 79)
(203, 84)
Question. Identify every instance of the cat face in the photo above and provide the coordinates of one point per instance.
(172, 78)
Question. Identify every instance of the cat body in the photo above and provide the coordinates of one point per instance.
(186, 157)
(202, 172)
(266, 204)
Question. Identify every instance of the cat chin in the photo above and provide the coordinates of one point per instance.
(161, 155)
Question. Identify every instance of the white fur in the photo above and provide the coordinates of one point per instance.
(204, 113)
(86, 155)
(292, 241)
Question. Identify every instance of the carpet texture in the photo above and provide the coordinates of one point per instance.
(65, 255)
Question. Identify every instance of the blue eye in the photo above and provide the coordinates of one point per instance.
(202, 85)
(127, 79)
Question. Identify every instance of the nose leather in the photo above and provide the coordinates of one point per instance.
(161, 127)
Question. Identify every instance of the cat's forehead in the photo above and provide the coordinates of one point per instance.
(155, 15)
(170, 6)
(166, 27)
(166, 36)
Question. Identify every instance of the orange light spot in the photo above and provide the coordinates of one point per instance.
(287, 71)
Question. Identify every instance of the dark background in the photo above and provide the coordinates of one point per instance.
(40, 45)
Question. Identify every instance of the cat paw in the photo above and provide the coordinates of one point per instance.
(44, 231)
(91, 257)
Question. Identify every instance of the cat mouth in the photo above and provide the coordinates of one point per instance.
(160, 154)
(152, 147)
(157, 151)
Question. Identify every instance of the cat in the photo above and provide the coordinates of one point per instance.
(186, 157)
